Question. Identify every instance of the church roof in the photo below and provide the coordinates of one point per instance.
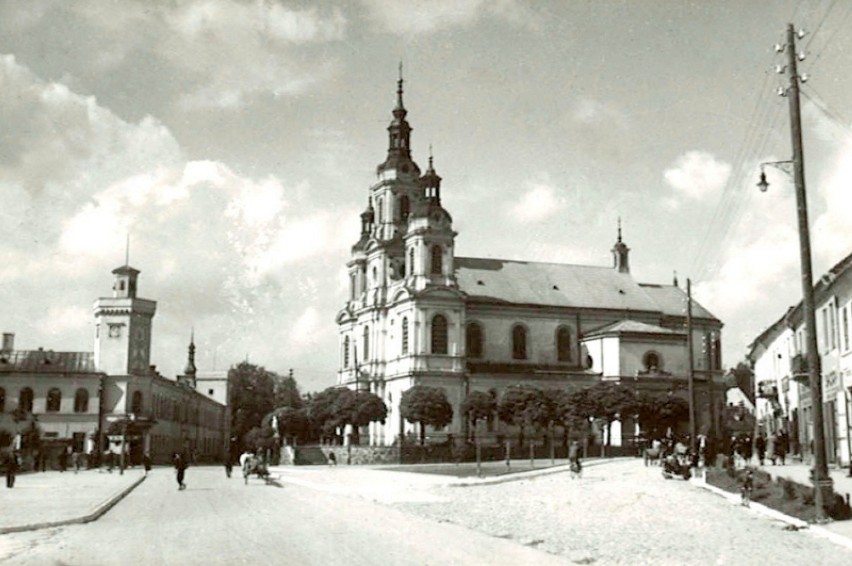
(47, 361)
(564, 285)
(634, 327)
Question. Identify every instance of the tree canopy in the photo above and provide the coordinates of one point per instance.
(426, 405)
(251, 397)
(336, 407)
(478, 405)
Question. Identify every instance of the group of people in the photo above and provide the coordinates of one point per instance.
(772, 448)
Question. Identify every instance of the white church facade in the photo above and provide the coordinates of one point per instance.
(418, 314)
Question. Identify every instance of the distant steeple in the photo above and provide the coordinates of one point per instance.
(188, 377)
(620, 253)
(674, 279)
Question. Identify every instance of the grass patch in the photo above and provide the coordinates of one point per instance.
(783, 495)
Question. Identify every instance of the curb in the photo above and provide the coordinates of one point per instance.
(761, 509)
(94, 516)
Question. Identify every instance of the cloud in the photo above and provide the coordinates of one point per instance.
(414, 17)
(588, 111)
(240, 259)
(226, 52)
(539, 202)
(697, 175)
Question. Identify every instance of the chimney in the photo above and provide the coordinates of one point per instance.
(8, 341)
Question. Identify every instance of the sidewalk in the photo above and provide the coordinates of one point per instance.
(800, 473)
(48, 499)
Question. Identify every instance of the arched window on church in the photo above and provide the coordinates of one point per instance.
(563, 344)
(404, 335)
(346, 351)
(136, 402)
(366, 343)
(352, 289)
(81, 401)
(404, 207)
(473, 338)
(519, 342)
(54, 400)
(378, 210)
(439, 334)
(652, 361)
(437, 260)
(25, 400)
(411, 261)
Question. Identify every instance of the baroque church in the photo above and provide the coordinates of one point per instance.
(417, 314)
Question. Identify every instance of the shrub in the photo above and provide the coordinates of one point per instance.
(789, 489)
(808, 496)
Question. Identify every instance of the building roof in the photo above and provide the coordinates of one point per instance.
(564, 285)
(634, 327)
(47, 361)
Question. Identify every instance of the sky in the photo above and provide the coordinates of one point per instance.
(235, 142)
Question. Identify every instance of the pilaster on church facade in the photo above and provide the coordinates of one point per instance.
(418, 314)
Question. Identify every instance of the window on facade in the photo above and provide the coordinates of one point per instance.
(717, 352)
(2, 400)
(404, 207)
(404, 335)
(563, 344)
(651, 361)
(832, 326)
(519, 342)
(439, 334)
(136, 402)
(366, 343)
(54, 400)
(379, 211)
(352, 289)
(411, 261)
(473, 339)
(845, 324)
(346, 351)
(81, 401)
(437, 267)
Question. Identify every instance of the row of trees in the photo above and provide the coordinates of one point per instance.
(267, 408)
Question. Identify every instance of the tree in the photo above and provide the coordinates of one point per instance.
(293, 423)
(744, 377)
(478, 405)
(523, 405)
(322, 411)
(426, 405)
(336, 407)
(251, 397)
(287, 393)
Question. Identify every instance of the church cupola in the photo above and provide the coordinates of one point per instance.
(620, 253)
(367, 218)
(431, 182)
(399, 136)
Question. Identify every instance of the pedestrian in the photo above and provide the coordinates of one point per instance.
(181, 462)
(770, 448)
(229, 465)
(574, 459)
(747, 488)
(12, 463)
(781, 447)
(75, 461)
(332, 458)
(146, 462)
(63, 460)
(760, 446)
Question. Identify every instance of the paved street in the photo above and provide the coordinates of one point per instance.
(221, 521)
(620, 512)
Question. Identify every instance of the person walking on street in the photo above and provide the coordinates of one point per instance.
(63, 460)
(760, 446)
(75, 461)
(229, 465)
(146, 462)
(11, 461)
(781, 447)
(181, 464)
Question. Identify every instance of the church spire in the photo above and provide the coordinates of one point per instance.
(620, 253)
(399, 135)
(431, 181)
(189, 371)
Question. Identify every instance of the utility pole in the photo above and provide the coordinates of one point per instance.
(822, 480)
(691, 375)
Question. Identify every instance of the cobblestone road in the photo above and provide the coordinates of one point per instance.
(623, 513)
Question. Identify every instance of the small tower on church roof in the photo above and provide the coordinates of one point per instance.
(620, 253)
(431, 182)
